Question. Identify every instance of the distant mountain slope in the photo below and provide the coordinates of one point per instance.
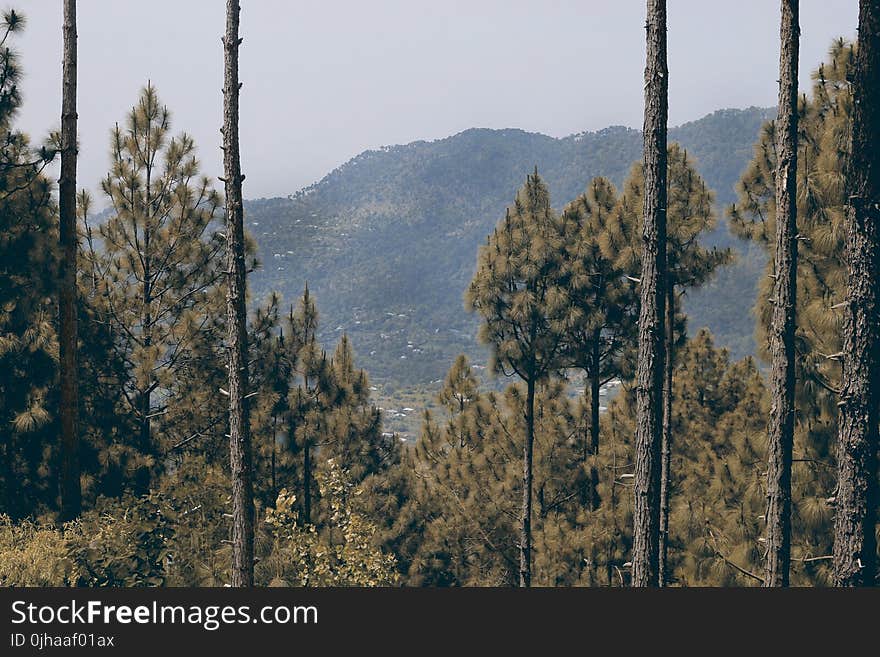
(388, 241)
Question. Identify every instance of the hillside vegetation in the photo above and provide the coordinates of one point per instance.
(388, 240)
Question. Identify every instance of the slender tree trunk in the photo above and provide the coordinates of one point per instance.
(240, 457)
(142, 476)
(649, 379)
(780, 427)
(855, 518)
(525, 539)
(71, 494)
(666, 447)
(594, 419)
(307, 484)
(613, 506)
(142, 481)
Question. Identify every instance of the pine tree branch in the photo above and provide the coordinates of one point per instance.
(730, 563)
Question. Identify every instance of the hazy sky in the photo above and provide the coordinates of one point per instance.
(324, 80)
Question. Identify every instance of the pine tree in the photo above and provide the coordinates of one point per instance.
(240, 455)
(152, 280)
(604, 298)
(310, 400)
(824, 125)
(782, 329)
(28, 289)
(271, 377)
(459, 392)
(71, 493)
(461, 515)
(649, 390)
(719, 419)
(517, 291)
(855, 540)
(327, 415)
(355, 441)
(689, 265)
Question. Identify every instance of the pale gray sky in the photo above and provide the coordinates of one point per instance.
(326, 79)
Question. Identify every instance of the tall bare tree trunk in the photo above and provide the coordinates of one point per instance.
(855, 549)
(666, 447)
(594, 418)
(71, 494)
(525, 538)
(142, 478)
(649, 386)
(240, 457)
(780, 427)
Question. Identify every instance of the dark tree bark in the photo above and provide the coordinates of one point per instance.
(780, 427)
(855, 518)
(70, 491)
(649, 378)
(142, 479)
(595, 385)
(525, 538)
(240, 456)
(666, 447)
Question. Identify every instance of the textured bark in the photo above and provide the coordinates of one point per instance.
(525, 538)
(142, 476)
(142, 479)
(855, 560)
(240, 456)
(594, 420)
(70, 491)
(780, 427)
(649, 377)
(666, 447)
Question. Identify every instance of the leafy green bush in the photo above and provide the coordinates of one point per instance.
(164, 540)
(298, 555)
(123, 543)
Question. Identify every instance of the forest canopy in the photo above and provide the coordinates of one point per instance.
(223, 434)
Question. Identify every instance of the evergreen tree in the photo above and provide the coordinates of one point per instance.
(782, 329)
(855, 519)
(463, 502)
(356, 441)
(824, 125)
(719, 420)
(689, 265)
(240, 450)
(271, 377)
(517, 291)
(28, 280)
(603, 297)
(459, 392)
(71, 493)
(649, 389)
(310, 401)
(152, 276)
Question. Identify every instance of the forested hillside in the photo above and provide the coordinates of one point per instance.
(387, 241)
(173, 413)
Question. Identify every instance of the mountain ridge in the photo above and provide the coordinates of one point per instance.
(388, 240)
